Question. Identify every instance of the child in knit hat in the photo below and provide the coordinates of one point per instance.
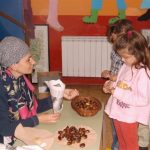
(18, 105)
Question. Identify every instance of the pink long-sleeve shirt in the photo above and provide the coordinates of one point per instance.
(133, 104)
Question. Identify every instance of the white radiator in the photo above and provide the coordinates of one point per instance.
(146, 33)
(85, 56)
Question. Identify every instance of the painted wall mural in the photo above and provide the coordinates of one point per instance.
(52, 19)
(145, 5)
(97, 6)
(8, 28)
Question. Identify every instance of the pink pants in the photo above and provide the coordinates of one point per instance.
(127, 135)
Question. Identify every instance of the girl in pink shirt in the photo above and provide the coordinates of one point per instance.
(129, 103)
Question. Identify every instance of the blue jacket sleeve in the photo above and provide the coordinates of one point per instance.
(30, 122)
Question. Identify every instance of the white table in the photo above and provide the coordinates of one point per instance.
(68, 118)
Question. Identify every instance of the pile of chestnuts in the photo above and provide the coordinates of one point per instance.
(73, 135)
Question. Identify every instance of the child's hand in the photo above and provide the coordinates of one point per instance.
(108, 85)
(106, 74)
(112, 90)
(70, 93)
(113, 77)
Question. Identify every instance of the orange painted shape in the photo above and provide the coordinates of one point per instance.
(82, 7)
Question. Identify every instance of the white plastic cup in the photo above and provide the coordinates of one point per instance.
(57, 88)
(57, 104)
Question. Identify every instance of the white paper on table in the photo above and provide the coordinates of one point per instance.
(29, 147)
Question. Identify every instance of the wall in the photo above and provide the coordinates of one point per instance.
(70, 17)
(8, 28)
(82, 7)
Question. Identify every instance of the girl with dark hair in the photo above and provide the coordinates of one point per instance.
(129, 98)
(121, 26)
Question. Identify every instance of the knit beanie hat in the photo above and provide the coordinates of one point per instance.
(12, 49)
